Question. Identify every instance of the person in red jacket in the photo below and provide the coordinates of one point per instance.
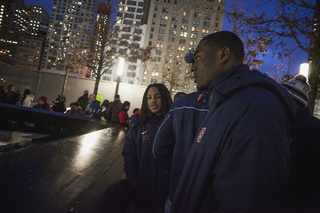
(123, 114)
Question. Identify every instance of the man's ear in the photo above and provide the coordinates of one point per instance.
(224, 55)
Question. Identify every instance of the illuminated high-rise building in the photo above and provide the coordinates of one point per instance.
(67, 17)
(175, 27)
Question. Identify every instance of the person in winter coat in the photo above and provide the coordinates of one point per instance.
(304, 183)
(27, 98)
(123, 113)
(171, 148)
(42, 104)
(83, 100)
(60, 106)
(75, 109)
(87, 108)
(146, 177)
(11, 97)
(240, 157)
(113, 110)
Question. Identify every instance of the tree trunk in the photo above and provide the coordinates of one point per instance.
(315, 62)
(96, 84)
(65, 81)
(314, 83)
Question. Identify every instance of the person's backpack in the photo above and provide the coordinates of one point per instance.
(94, 109)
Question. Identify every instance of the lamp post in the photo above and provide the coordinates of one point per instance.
(304, 69)
(119, 73)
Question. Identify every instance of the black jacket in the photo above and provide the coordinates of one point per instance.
(304, 184)
(176, 133)
(239, 161)
(148, 179)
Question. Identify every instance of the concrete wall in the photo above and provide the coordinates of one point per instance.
(50, 85)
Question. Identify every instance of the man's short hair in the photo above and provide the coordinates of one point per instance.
(179, 95)
(228, 39)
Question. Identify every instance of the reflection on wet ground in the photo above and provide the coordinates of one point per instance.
(78, 173)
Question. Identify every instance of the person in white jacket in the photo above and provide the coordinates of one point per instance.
(27, 98)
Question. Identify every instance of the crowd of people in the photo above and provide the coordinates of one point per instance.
(241, 143)
(88, 105)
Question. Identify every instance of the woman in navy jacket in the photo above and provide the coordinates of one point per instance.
(149, 181)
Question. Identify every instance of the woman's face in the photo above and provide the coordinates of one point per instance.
(13, 89)
(154, 101)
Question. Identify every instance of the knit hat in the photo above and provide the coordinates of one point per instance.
(188, 58)
(43, 98)
(298, 88)
(86, 91)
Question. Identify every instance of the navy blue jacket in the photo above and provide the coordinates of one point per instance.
(304, 184)
(177, 132)
(239, 160)
(148, 179)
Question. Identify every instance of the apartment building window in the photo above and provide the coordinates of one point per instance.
(204, 30)
(139, 10)
(186, 13)
(196, 22)
(217, 24)
(185, 20)
(140, 4)
(152, 29)
(218, 8)
(155, 8)
(183, 34)
(217, 17)
(206, 23)
(151, 36)
(154, 15)
(158, 52)
(150, 43)
(184, 27)
(193, 35)
(163, 24)
(132, 9)
(127, 21)
(126, 29)
(162, 31)
(138, 17)
(153, 22)
(139, 31)
(200, 5)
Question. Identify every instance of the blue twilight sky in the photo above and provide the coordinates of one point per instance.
(269, 61)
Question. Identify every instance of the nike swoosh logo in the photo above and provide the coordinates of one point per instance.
(144, 132)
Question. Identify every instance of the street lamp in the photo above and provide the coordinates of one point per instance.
(304, 69)
(119, 73)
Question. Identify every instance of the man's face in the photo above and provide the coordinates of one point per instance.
(206, 66)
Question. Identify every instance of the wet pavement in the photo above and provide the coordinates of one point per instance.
(75, 174)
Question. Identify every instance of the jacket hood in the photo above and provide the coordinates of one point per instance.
(240, 77)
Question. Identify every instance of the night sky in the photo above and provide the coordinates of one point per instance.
(269, 61)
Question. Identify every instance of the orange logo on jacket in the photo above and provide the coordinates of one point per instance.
(201, 134)
(145, 137)
(200, 97)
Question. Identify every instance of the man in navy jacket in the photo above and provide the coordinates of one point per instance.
(239, 159)
(177, 131)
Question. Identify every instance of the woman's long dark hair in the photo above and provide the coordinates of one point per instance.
(9, 90)
(166, 102)
(25, 93)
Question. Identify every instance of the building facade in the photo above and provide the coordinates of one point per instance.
(128, 25)
(175, 27)
(68, 19)
(23, 31)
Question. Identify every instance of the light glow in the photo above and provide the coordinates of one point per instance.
(304, 69)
